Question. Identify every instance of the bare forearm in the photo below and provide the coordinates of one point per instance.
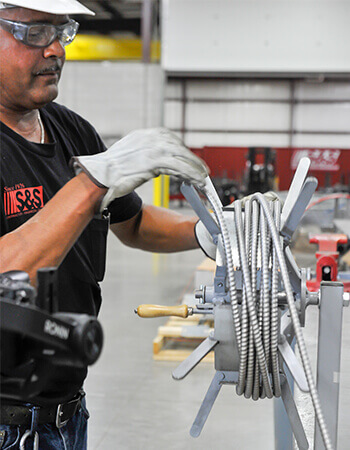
(159, 230)
(46, 238)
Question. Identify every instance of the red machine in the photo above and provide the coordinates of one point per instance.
(330, 166)
(327, 260)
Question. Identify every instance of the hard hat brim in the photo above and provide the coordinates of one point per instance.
(59, 7)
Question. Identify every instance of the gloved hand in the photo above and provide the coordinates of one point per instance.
(138, 157)
(205, 240)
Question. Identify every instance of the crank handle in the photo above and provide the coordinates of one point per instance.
(161, 311)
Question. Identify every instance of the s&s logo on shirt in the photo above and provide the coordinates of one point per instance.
(19, 200)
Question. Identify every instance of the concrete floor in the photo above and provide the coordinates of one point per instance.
(133, 400)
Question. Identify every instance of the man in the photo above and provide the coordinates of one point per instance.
(55, 213)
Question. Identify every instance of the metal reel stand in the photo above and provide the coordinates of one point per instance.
(215, 300)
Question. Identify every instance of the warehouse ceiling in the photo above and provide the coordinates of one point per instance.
(112, 16)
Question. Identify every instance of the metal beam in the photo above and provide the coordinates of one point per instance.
(105, 26)
(146, 29)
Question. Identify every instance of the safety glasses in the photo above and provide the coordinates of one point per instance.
(41, 34)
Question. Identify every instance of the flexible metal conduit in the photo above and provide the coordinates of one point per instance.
(256, 327)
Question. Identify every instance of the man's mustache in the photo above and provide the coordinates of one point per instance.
(56, 67)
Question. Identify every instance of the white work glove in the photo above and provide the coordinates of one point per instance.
(205, 240)
(138, 157)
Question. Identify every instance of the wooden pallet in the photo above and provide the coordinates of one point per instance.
(177, 339)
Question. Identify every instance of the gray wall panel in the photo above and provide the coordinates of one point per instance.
(247, 36)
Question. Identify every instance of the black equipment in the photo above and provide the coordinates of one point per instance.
(259, 177)
(39, 343)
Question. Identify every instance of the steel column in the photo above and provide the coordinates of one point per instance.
(328, 357)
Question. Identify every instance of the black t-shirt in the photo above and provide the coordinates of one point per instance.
(31, 174)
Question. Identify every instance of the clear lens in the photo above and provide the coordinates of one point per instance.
(41, 35)
(68, 33)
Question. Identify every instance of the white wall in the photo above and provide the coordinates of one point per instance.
(119, 97)
(256, 36)
(233, 112)
(246, 41)
(115, 97)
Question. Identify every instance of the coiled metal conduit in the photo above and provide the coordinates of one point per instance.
(256, 327)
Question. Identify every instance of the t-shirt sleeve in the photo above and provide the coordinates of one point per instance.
(124, 208)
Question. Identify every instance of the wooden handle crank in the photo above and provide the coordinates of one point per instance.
(160, 311)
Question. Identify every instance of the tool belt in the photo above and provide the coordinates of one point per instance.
(21, 415)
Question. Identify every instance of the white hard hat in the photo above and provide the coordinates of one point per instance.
(49, 6)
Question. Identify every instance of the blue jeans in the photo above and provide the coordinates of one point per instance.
(72, 436)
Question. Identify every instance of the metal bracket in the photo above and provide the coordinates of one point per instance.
(293, 271)
(294, 213)
(293, 415)
(293, 364)
(195, 201)
(295, 188)
(219, 379)
(303, 297)
(194, 358)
